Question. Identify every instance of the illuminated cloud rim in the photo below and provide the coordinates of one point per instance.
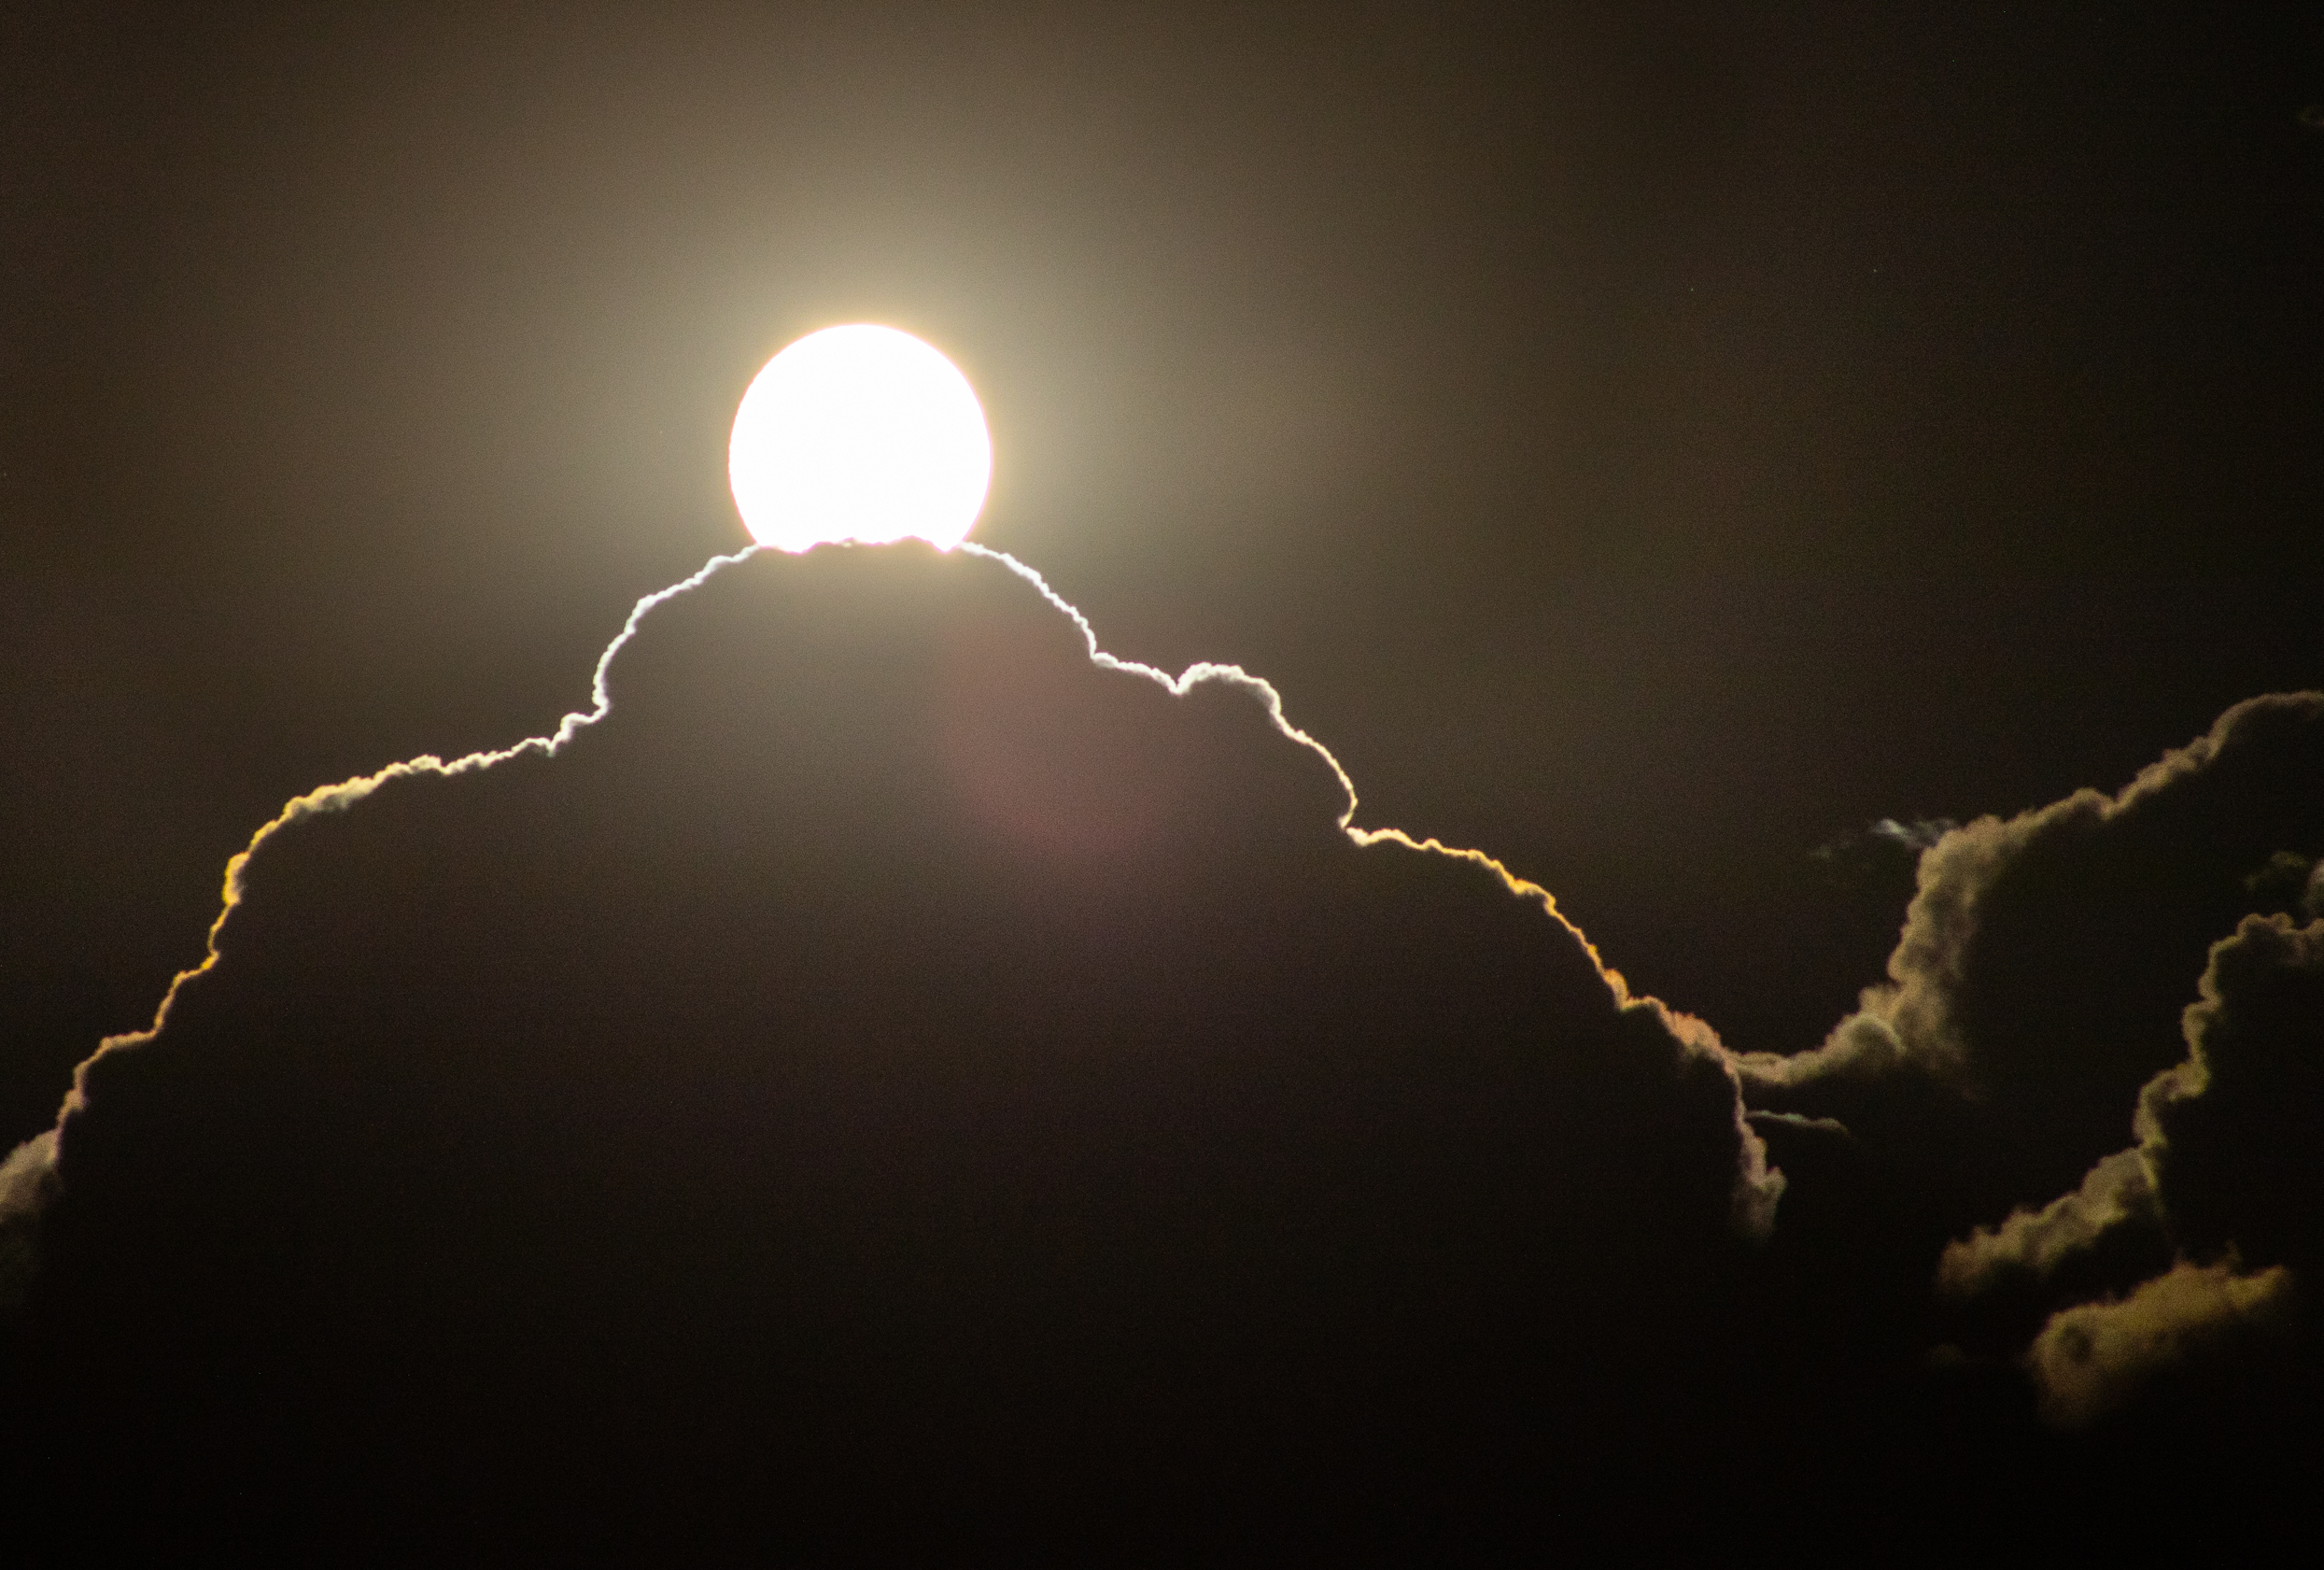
(2091, 1359)
(27, 1178)
(1911, 1020)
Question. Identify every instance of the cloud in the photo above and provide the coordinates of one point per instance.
(2092, 1360)
(735, 1099)
(1880, 850)
(1759, 1188)
(2226, 1170)
(2045, 958)
(892, 1071)
(2232, 1134)
(2033, 1017)
(25, 1176)
(2117, 1190)
(27, 1183)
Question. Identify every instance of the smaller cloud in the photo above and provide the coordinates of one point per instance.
(2225, 1169)
(27, 1181)
(2117, 1190)
(1881, 852)
(1919, 835)
(2093, 1359)
(2042, 969)
(1915, 836)
(26, 1175)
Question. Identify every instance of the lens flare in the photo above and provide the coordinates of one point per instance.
(862, 434)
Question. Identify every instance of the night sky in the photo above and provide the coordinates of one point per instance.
(1826, 496)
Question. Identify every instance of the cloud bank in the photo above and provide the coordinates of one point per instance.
(878, 1041)
(894, 1075)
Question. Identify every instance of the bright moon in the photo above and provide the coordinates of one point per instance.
(861, 434)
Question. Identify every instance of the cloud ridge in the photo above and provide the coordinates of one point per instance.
(1758, 1185)
(28, 1175)
(28, 1178)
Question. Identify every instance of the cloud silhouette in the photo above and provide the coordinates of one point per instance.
(891, 1074)
(26, 1176)
(712, 1116)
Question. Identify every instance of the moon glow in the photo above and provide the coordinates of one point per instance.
(859, 434)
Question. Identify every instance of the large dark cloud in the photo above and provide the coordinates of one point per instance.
(895, 1083)
(891, 1079)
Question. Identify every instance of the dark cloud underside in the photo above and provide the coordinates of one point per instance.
(895, 1083)
(888, 1044)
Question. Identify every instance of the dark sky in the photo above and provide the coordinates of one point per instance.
(1653, 444)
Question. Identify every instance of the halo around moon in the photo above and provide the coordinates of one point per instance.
(859, 434)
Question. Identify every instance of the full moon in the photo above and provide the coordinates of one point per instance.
(861, 434)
